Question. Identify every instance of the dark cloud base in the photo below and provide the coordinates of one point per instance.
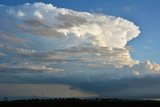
(137, 87)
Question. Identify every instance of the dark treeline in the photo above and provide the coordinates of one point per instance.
(59, 102)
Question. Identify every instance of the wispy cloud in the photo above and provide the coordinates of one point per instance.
(129, 8)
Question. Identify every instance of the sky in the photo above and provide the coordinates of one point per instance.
(91, 48)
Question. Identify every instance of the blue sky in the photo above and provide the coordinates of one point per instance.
(90, 47)
(143, 13)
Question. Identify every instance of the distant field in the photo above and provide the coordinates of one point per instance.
(76, 102)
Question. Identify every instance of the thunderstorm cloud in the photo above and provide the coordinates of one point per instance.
(40, 43)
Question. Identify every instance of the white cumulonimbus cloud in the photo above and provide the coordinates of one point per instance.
(69, 47)
(82, 27)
